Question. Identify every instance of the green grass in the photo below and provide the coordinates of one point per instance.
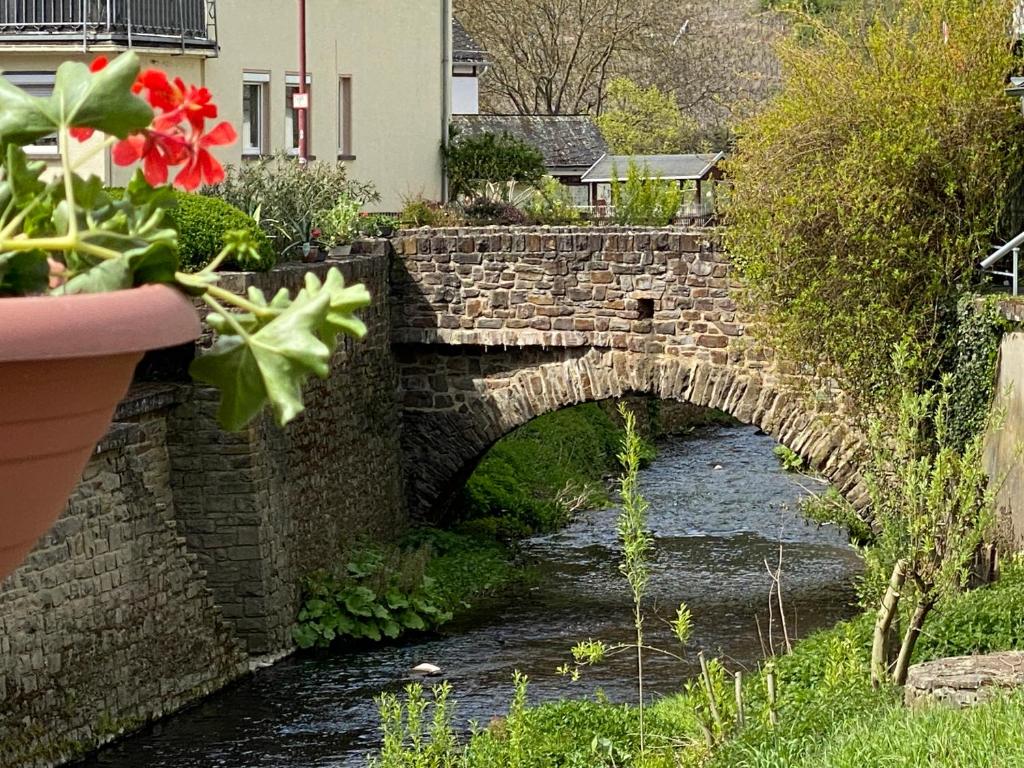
(829, 717)
(529, 481)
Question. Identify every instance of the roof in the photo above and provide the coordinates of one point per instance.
(566, 141)
(671, 167)
(466, 50)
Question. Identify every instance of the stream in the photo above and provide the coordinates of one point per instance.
(720, 507)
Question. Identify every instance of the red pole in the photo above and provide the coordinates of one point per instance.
(303, 118)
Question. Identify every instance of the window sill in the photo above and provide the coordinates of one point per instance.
(347, 158)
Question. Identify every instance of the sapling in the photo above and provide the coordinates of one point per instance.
(934, 506)
(637, 543)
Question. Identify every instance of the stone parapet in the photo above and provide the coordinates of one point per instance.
(652, 291)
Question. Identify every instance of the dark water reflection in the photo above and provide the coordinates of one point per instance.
(720, 506)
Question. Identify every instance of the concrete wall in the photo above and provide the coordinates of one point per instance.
(182, 550)
(1003, 447)
(391, 50)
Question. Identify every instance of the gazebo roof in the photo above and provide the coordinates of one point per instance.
(670, 167)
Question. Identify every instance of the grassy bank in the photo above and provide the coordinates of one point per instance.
(828, 714)
(534, 479)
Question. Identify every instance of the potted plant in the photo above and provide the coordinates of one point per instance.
(377, 225)
(339, 226)
(89, 282)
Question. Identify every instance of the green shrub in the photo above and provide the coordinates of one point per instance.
(790, 461)
(552, 204)
(288, 199)
(644, 200)
(375, 598)
(201, 223)
(420, 212)
(474, 161)
(487, 211)
(856, 211)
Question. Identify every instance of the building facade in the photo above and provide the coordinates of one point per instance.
(378, 74)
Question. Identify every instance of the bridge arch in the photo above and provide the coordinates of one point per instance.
(494, 326)
(473, 398)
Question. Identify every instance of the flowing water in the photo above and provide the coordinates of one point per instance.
(720, 507)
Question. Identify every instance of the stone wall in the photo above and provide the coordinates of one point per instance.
(109, 623)
(652, 291)
(183, 548)
(265, 507)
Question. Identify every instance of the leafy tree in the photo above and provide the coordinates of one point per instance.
(644, 121)
(933, 505)
(866, 191)
(645, 200)
(473, 162)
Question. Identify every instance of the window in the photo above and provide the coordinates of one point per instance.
(291, 115)
(39, 84)
(345, 118)
(254, 113)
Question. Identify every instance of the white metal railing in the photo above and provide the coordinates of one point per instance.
(1011, 249)
(697, 215)
(179, 22)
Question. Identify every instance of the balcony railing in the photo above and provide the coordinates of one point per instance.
(184, 24)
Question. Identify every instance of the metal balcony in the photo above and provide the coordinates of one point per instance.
(187, 25)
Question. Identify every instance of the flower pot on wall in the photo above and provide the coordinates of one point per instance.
(65, 364)
(341, 250)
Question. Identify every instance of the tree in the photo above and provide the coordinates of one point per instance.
(933, 504)
(644, 121)
(474, 161)
(561, 54)
(866, 191)
(644, 200)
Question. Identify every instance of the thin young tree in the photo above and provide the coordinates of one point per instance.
(934, 506)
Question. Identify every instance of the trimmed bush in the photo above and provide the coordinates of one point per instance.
(201, 223)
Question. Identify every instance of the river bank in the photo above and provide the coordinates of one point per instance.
(713, 529)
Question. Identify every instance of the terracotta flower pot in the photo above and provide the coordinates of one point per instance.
(65, 363)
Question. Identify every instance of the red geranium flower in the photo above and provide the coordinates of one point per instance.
(158, 152)
(203, 167)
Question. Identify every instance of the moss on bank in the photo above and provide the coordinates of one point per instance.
(535, 478)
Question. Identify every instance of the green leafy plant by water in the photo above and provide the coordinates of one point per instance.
(371, 600)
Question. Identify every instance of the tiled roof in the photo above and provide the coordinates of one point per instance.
(465, 50)
(566, 141)
(672, 167)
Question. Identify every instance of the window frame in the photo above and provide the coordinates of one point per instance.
(291, 81)
(260, 80)
(346, 150)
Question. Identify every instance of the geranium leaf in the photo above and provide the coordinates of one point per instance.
(102, 100)
(231, 367)
(24, 119)
(23, 273)
(109, 275)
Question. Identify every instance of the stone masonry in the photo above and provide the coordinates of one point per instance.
(495, 326)
(265, 507)
(183, 549)
(108, 623)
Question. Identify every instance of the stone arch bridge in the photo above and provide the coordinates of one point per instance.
(494, 327)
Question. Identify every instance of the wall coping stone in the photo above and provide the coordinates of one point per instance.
(963, 681)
